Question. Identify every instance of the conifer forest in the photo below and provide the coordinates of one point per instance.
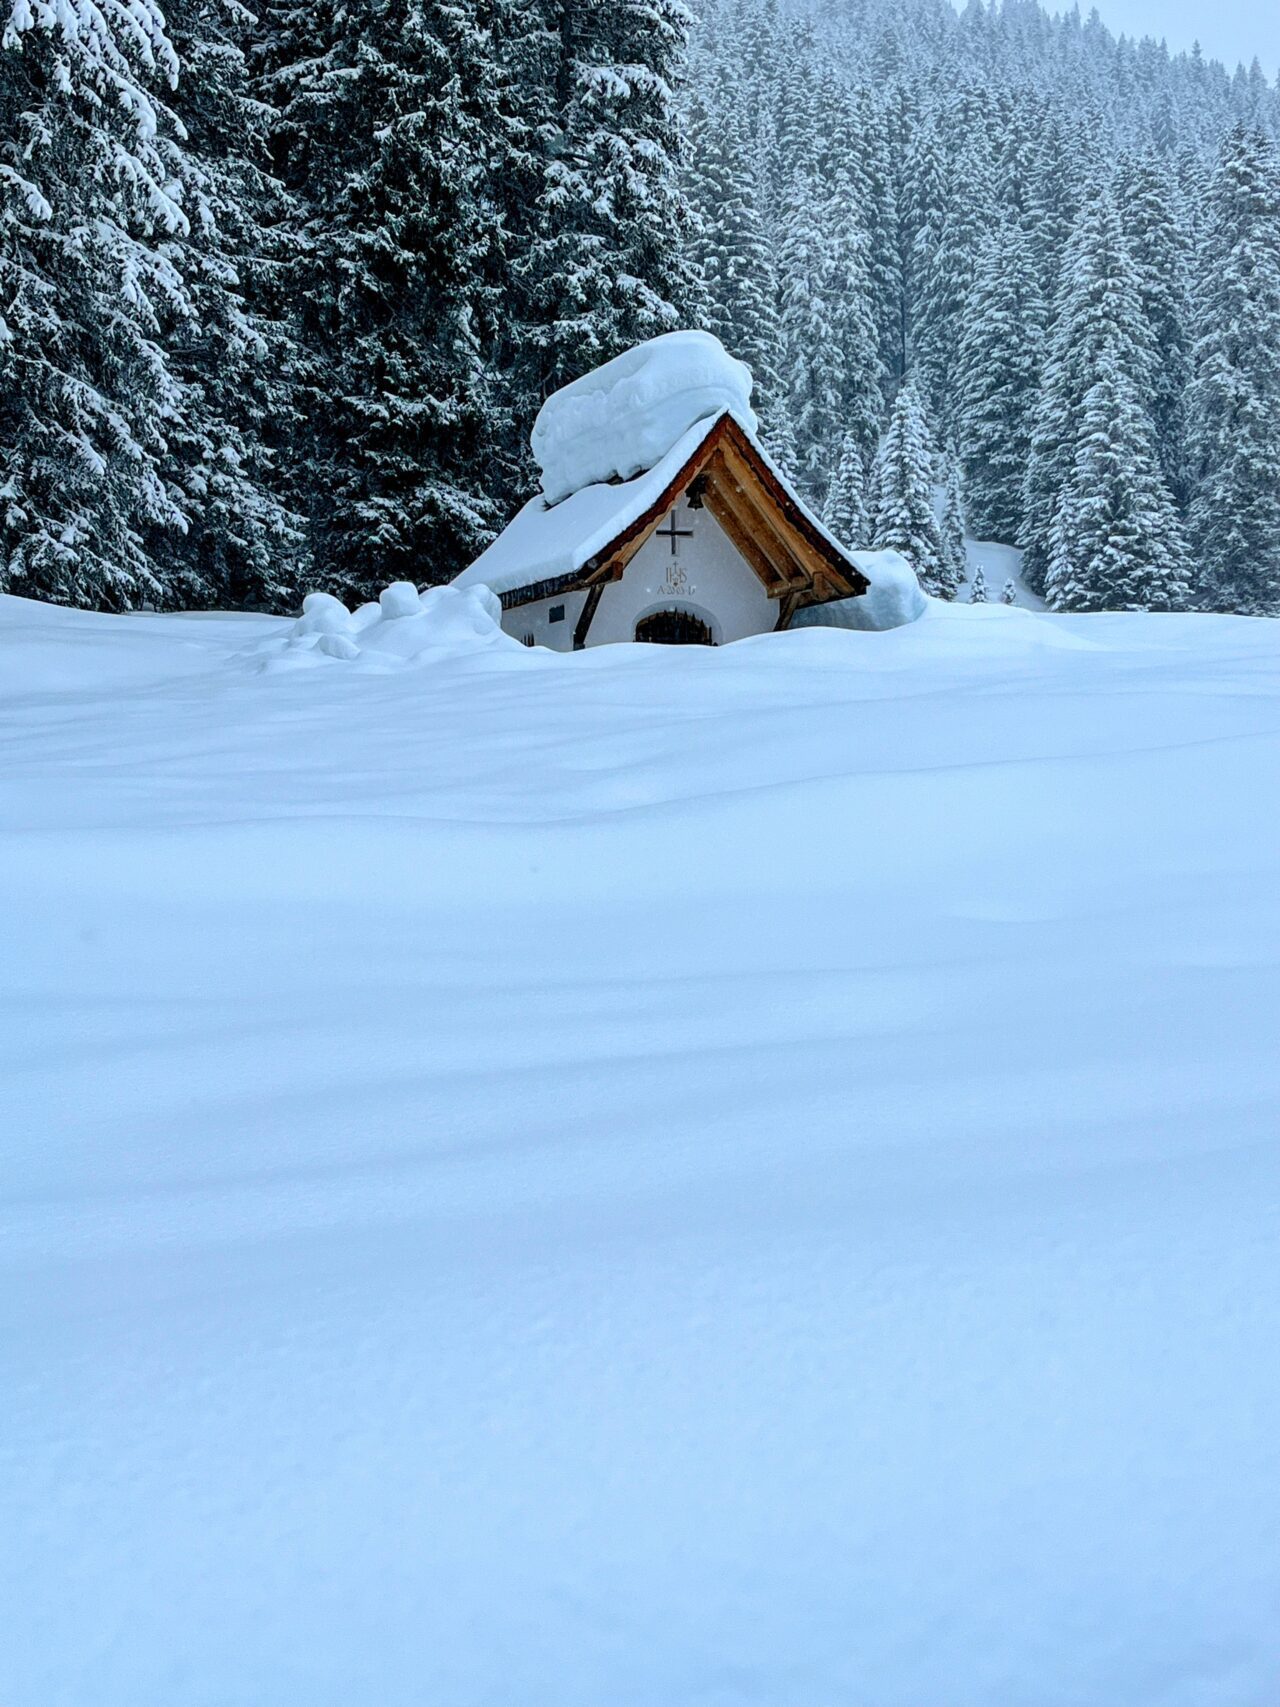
(282, 289)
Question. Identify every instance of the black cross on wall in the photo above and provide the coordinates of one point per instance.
(673, 533)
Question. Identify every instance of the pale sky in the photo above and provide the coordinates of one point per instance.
(1228, 30)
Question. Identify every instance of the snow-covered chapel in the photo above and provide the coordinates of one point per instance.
(661, 517)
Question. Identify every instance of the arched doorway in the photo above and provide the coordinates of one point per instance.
(674, 628)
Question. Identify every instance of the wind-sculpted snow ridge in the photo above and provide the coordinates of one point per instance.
(622, 418)
(722, 1177)
(401, 626)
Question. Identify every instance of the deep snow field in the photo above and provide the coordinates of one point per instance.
(656, 1178)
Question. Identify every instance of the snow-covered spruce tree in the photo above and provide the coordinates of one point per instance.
(397, 272)
(233, 352)
(922, 205)
(1235, 397)
(904, 518)
(1009, 593)
(137, 372)
(952, 524)
(946, 285)
(530, 80)
(1015, 163)
(610, 265)
(872, 166)
(796, 120)
(849, 289)
(812, 369)
(746, 40)
(996, 380)
(1156, 233)
(1098, 327)
(1117, 542)
(978, 590)
(1054, 196)
(846, 513)
(90, 202)
(729, 247)
(303, 64)
(834, 375)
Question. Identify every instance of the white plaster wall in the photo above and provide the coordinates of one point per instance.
(707, 577)
(535, 619)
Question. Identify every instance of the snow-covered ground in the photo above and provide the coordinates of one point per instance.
(644, 1179)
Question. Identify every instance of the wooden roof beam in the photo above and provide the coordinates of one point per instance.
(813, 563)
(724, 494)
(844, 577)
(745, 545)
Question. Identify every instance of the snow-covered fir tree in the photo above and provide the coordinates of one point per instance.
(998, 370)
(86, 189)
(232, 351)
(949, 278)
(731, 251)
(1117, 542)
(978, 588)
(846, 512)
(811, 358)
(1100, 336)
(387, 137)
(1235, 397)
(904, 518)
(952, 522)
(1157, 238)
(610, 263)
(848, 281)
(411, 253)
(1009, 593)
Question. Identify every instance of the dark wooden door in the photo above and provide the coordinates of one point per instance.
(674, 628)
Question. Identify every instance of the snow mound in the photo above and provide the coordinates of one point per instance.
(624, 417)
(401, 626)
(893, 599)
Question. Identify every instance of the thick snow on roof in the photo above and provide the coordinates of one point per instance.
(627, 415)
(545, 540)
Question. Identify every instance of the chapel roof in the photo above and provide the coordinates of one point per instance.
(592, 533)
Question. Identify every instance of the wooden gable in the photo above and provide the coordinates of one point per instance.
(794, 560)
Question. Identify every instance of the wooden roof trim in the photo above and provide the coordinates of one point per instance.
(548, 589)
(744, 542)
(796, 567)
(741, 448)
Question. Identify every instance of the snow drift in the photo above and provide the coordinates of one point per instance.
(623, 417)
(400, 626)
